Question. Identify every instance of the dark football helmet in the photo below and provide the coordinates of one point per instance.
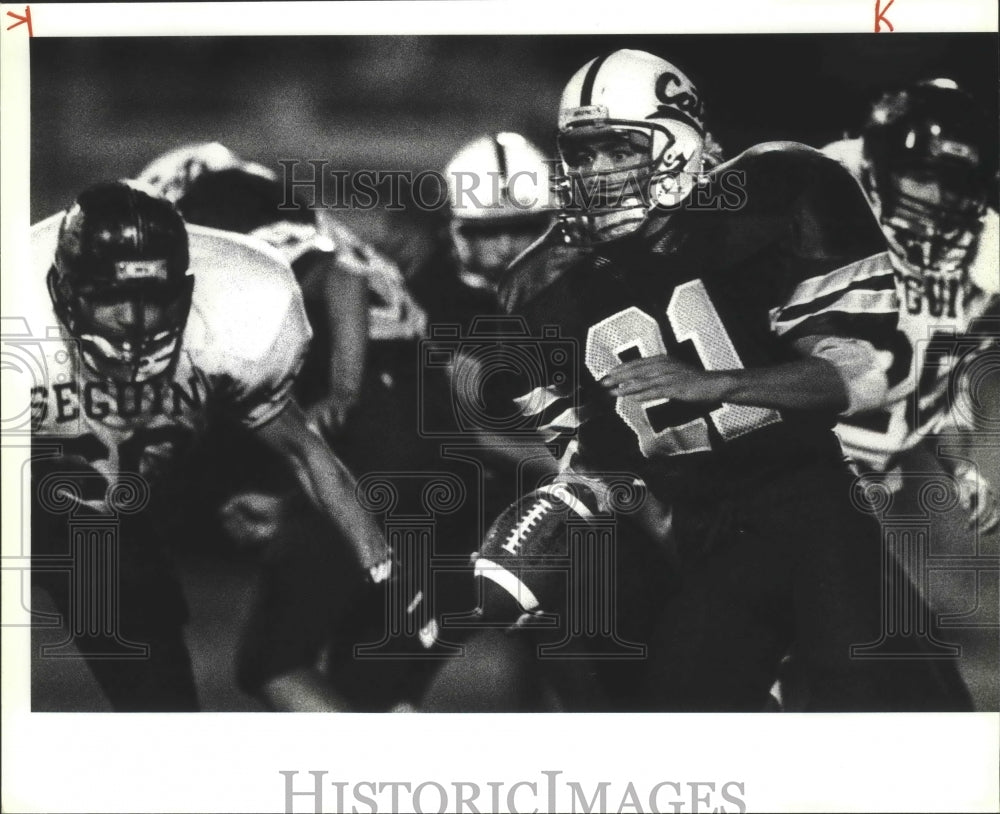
(120, 281)
(929, 160)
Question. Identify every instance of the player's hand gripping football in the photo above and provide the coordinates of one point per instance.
(661, 377)
(977, 496)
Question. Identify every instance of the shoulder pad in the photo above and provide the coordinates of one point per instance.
(243, 292)
(777, 161)
(535, 269)
(984, 271)
(777, 175)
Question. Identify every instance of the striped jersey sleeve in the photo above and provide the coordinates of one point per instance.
(836, 276)
(856, 300)
(555, 412)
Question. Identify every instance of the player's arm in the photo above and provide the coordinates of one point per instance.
(527, 454)
(839, 324)
(326, 482)
(963, 419)
(303, 690)
(338, 292)
(809, 383)
(306, 588)
(346, 298)
(522, 452)
(834, 307)
(261, 400)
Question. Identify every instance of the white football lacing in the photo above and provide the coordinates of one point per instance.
(527, 522)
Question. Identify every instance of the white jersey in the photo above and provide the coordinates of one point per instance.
(241, 348)
(931, 315)
(392, 311)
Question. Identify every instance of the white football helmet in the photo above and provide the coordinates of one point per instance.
(498, 176)
(172, 173)
(652, 103)
(499, 192)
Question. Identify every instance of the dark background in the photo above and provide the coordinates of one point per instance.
(103, 108)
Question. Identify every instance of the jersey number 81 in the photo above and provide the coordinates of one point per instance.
(692, 317)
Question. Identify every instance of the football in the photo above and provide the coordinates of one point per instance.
(535, 525)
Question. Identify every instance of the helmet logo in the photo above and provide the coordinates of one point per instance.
(678, 94)
(141, 270)
(956, 149)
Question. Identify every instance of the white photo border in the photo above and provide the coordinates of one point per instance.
(232, 762)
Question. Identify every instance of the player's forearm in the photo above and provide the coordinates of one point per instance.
(529, 455)
(326, 482)
(346, 306)
(302, 691)
(805, 384)
(331, 488)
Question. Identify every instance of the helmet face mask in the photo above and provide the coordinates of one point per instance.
(631, 141)
(120, 282)
(485, 248)
(931, 222)
(127, 336)
(645, 166)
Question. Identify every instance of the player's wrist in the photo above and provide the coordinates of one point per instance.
(339, 394)
(728, 384)
(959, 468)
(383, 571)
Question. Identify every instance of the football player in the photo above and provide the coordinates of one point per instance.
(927, 160)
(162, 328)
(499, 204)
(726, 320)
(365, 322)
(499, 189)
(212, 186)
(361, 373)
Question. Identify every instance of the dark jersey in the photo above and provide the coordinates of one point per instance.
(779, 244)
(447, 298)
